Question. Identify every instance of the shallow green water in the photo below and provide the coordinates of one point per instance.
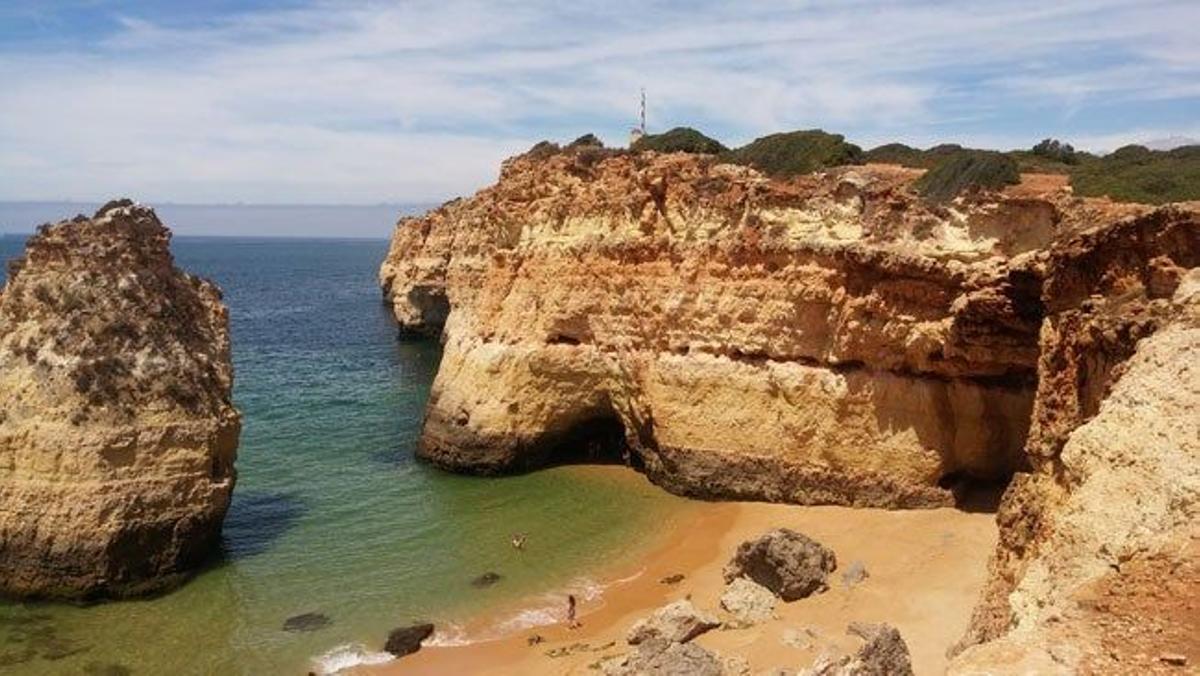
(331, 513)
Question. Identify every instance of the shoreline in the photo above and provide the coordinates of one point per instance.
(925, 571)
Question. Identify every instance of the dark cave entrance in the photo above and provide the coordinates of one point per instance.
(594, 440)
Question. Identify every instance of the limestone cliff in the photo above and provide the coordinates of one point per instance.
(117, 431)
(829, 339)
(1115, 452)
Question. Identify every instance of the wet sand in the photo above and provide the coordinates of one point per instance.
(925, 570)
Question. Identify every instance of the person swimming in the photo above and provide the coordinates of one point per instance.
(518, 541)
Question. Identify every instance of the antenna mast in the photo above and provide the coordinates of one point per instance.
(643, 117)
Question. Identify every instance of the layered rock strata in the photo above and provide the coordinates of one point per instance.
(828, 339)
(117, 431)
(1115, 453)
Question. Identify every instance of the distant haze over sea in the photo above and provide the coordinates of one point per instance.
(240, 220)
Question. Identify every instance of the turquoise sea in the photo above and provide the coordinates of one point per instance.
(332, 514)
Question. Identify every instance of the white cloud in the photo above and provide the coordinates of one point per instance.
(362, 102)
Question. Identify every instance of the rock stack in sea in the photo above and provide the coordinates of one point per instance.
(117, 429)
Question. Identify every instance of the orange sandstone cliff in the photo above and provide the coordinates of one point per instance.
(835, 339)
(117, 431)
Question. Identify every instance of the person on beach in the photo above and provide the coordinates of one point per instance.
(572, 623)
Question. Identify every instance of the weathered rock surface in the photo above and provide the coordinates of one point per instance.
(407, 640)
(884, 654)
(749, 602)
(1115, 447)
(791, 565)
(659, 657)
(677, 622)
(117, 431)
(827, 339)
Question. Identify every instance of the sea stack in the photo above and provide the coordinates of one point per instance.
(117, 429)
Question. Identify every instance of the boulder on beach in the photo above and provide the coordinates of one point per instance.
(678, 622)
(665, 658)
(790, 564)
(748, 601)
(407, 640)
(884, 654)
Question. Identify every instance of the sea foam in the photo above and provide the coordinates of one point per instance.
(347, 656)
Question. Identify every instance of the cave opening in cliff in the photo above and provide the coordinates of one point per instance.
(975, 494)
(595, 440)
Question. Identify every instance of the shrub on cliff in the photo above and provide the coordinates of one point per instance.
(1137, 174)
(968, 170)
(796, 152)
(680, 139)
(908, 156)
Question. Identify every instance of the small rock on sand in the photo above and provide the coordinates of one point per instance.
(672, 579)
(1174, 659)
(665, 658)
(854, 574)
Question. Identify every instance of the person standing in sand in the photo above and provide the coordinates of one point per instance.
(572, 623)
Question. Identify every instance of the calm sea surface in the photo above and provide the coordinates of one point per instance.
(332, 514)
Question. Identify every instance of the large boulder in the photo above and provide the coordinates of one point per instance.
(677, 622)
(117, 427)
(884, 654)
(793, 566)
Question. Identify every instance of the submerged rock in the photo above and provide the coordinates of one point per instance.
(407, 640)
(486, 580)
(117, 429)
(307, 622)
(790, 564)
(679, 622)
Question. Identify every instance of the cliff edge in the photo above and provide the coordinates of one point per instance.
(117, 431)
(830, 338)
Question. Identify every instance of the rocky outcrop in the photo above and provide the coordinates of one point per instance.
(791, 565)
(1114, 446)
(117, 431)
(748, 602)
(678, 622)
(827, 339)
(884, 654)
(407, 640)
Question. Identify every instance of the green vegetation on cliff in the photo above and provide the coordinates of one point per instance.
(968, 170)
(680, 139)
(1137, 174)
(796, 152)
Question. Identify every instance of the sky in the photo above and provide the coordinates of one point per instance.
(314, 102)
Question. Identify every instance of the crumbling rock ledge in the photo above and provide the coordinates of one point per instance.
(827, 339)
(117, 431)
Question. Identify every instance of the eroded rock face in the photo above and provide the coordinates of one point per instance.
(828, 339)
(790, 564)
(1115, 445)
(117, 431)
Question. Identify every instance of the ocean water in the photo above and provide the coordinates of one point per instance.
(332, 514)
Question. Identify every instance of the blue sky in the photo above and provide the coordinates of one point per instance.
(289, 101)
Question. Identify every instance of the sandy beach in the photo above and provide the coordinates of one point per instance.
(925, 569)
